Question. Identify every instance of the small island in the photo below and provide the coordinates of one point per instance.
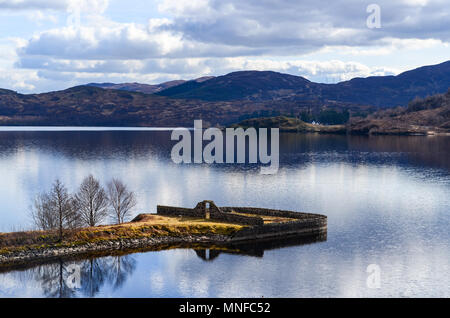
(171, 227)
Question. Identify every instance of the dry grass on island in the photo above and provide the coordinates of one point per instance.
(267, 219)
(143, 226)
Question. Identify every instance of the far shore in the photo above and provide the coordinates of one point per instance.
(294, 128)
(82, 128)
(294, 125)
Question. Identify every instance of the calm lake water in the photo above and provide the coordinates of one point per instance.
(387, 200)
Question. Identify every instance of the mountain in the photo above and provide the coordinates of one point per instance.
(93, 106)
(146, 88)
(391, 91)
(244, 85)
(227, 99)
(137, 87)
(379, 91)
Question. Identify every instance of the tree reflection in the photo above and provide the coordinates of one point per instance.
(122, 267)
(94, 274)
(53, 279)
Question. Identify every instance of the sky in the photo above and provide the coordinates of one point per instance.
(48, 45)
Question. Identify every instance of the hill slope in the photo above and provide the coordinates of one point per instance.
(92, 106)
(390, 91)
(146, 88)
(422, 116)
(247, 85)
(226, 100)
(137, 87)
(381, 91)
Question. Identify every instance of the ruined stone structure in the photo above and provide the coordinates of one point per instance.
(284, 228)
(304, 224)
(208, 210)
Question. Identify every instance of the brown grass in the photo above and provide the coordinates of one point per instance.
(143, 226)
(267, 219)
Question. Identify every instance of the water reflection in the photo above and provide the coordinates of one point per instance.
(56, 279)
(114, 269)
(53, 278)
(30, 161)
(88, 145)
(258, 247)
(387, 200)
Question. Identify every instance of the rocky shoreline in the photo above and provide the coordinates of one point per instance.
(171, 227)
(17, 258)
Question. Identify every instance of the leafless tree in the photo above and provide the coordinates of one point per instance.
(121, 200)
(55, 210)
(42, 213)
(91, 202)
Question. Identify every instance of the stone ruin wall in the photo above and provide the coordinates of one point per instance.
(304, 227)
(303, 223)
(215, 213)
(271, 212)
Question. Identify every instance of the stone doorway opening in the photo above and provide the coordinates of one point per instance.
(207, 210)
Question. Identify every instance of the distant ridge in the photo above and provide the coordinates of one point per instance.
(248, 85)
(380, 91)
(146, 88)
(222, 100)
(94, 106)
(137, 87)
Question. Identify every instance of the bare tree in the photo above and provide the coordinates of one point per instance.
(42, 213)
(55, 210)
(122, 200)
(91, 202)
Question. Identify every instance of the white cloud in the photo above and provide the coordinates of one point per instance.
(193, 38)
(33, 4)
(183, 8)
(113, 41)
(20, 80)
(97, 6)
(234, 29)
